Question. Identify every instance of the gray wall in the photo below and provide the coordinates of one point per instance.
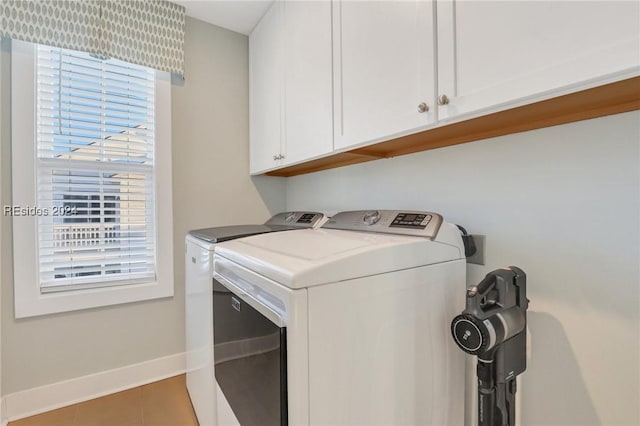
(563, 204)
(211, 187)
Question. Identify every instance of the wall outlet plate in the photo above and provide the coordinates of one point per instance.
(479, 257)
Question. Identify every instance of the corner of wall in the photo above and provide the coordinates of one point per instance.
(273, 191)
(3, 410)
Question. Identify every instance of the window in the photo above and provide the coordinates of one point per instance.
(91, 157)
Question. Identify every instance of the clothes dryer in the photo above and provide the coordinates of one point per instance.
(199, 249)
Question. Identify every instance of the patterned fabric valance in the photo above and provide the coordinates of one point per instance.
(143, 32)
(149, 33)
(68, 24)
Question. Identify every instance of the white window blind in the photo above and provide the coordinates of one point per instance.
(95, 171)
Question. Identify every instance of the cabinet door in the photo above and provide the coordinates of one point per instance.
(493, 55)
(383, 69)
(308, 86)
(265, 74)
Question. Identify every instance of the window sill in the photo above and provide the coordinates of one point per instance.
(74, 300)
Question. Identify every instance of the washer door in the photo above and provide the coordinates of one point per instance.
(250, 357)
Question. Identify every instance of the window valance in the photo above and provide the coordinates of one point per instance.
(143, 32)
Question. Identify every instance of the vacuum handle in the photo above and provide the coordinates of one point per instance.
(486, 393)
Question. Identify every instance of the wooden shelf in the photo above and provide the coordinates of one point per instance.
(612, 98)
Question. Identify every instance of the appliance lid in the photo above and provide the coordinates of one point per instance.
(225, 233)
(284, 221)
(305, 258)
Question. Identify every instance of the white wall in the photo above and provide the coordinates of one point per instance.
(563, 204)
(211, 186)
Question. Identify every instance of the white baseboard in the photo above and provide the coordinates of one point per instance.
(34, 401)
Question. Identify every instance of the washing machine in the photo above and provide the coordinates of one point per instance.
(347, 324)
(199, 249)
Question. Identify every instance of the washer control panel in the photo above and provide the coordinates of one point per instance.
(412, 220)
(416, 223)
(301, 219)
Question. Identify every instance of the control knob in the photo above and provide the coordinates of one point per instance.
(290, 217)
(371, 217)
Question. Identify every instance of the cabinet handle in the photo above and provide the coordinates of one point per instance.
(275, 158)
(278, 157)
(443, 100)
(423, 107)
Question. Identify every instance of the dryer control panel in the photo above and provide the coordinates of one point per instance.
(401, 222)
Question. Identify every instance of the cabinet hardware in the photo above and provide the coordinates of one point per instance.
(423, 107)
(443, 100)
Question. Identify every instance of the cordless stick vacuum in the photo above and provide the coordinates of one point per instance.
(493, 327)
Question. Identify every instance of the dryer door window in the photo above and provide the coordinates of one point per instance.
(250, 360)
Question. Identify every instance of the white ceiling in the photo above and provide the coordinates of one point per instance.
(236, 15)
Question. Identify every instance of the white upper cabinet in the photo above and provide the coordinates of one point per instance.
(384, 69)
(494, 55)
(332, 75)
(308, 86)
(291, 87)
(265, 88)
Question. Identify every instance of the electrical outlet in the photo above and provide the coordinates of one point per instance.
(478, 258)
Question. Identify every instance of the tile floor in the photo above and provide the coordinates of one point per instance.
(163, 403)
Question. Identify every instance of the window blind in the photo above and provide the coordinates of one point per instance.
(95, 171)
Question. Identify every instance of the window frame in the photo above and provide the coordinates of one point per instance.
(29, 299)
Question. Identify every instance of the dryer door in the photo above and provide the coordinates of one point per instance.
(250, 356)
